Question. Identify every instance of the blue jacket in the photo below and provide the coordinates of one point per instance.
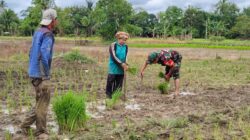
(41, 53)
(118, 55)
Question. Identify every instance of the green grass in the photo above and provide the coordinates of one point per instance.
(75, 56)
(186, 45)
(116, 97)
(70, 111)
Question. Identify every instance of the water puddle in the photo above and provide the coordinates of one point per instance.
(10, 128)
(186, 93)
(96, 109)
(132, 107)
(5, 110)
(53, 126)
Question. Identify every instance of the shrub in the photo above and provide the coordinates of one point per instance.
(70, 111)
(164, 87)
(75, 56)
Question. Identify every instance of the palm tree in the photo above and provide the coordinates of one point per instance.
(2, 4)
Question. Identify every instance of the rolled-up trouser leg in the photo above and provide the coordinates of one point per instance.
(41, 109)
(30, 118)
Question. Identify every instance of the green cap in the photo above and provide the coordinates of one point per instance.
(152, 56)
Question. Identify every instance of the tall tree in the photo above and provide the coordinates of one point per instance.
(242, 27)
(33, 15)
(114, 15)
(9, 21)
(171, 20)
(194, 21)
(227, 13)
(246, 11)
(145, 21)
(2, 4)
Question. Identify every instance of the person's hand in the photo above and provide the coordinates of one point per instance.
(125, 66)
(142, 74)
(167, 77)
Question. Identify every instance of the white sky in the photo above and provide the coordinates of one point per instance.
(152, 6)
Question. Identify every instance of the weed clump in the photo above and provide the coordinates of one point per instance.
(164, 87)
(116, 97)
(70, 111)
(75, 56)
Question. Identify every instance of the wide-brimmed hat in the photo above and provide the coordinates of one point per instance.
(48, 16)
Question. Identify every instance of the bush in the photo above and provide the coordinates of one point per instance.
(70, 111)
(75, 56)
(164, 87)
(216, 38)
(116, 97)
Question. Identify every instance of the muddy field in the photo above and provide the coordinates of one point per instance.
(214, 101)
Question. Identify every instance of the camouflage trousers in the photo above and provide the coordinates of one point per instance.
(38, 113)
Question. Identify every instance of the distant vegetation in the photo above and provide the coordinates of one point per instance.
(108, 16)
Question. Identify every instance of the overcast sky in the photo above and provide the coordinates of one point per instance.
(152, 6)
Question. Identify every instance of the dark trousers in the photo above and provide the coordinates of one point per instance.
(114, 82)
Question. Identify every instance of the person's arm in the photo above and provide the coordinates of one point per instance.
(143, 68)
(46, 52)
(115, 58)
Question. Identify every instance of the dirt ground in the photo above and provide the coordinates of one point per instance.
(143, 101)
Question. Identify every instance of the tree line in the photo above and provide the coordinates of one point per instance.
(105, 17)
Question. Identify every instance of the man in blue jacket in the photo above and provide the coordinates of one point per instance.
(40, 59)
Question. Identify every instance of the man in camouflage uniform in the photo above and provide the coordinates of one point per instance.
(169, 58)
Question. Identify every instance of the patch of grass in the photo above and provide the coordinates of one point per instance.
(179, 122)
(75, 56)
(70, 111)
(19, 57)
(132, 70)
(116, 97)
(164, 87)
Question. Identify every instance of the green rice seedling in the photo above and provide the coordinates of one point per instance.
(171, 136)
(197, 132)
(114, 124)
(8, 135)
(75, 56)
(179, 122)
(164, 87)
(70, 111)
(31, 135)
(217, 133)
(116, 97)
(132, 70)
(161, 75)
